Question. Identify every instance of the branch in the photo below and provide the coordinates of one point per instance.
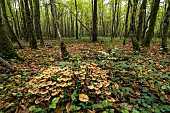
(5, 64)
(75, 16)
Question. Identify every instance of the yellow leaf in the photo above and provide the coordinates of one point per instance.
(91, 111)
(139, 74)
(83, 97)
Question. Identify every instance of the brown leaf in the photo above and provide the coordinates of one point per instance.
(152, 85)
(91, 111)
(127, 106)
(95, 70)
(25, 111)
(68, 107)
(58, 109)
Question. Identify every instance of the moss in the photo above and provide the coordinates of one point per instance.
(7, 50)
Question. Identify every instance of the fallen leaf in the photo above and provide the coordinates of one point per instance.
(90, 111)
(68, 107)
(58, 109)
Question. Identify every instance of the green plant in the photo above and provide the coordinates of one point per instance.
(54, 102)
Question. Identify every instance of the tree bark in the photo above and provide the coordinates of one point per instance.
(13, 18)
(77, 31)
(38, 31)
(13, 36)
(95, 21)
(126, 22)
(141, 20)
(165, 29)
(114, 7)
(150, 32)
(30, 29)
(132, 34)
(47, 25)
(6, 48)
(24, 23)
(56, 29)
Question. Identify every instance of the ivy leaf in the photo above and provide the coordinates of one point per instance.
(135, 111)
(124, 111)
(37, 110)
(32, 108)
(55, 100)
(53, 105)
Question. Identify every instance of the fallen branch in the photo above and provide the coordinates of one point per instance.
(5, 64)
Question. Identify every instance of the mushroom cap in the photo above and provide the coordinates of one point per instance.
(38, 100)
(83, 97)
(43, 91)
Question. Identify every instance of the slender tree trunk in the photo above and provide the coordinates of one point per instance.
(126, 22)
(13, 36)
(30, 32)
(150, 32)
(77, 27)
(24, 23)
(38, 31)
(117, 21)
(56, 29)
(141, 20)
(13, 18)
(47, 25)
(165, 29)
(94, 21)
(72, 26)
(103, 30)
(18, 21)
(114, 7)
(132, 34)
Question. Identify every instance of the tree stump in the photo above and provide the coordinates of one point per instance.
(65, 53)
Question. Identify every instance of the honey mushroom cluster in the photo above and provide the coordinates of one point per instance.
(90, 72)
(43, 85)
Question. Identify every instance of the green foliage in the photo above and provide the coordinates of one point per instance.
(104, 104)
(54, 102)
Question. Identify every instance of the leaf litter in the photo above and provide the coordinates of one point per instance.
(92, 80)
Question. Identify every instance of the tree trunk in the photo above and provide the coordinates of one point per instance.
(94, 21)
(24, 23)
(47, 25)
(30, 32)
(132, 34)
(72, 26)
(6, 48)
(126, 22)
(77, 32)
(38, 31)
(13, 18)
(13, 36)
(53, 11)
(150, 32)
(165, 29)
(114, 7)
(141, 20)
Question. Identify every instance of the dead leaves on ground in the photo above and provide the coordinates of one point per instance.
(123, 83)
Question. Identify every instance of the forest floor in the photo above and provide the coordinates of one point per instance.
(98, 77)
